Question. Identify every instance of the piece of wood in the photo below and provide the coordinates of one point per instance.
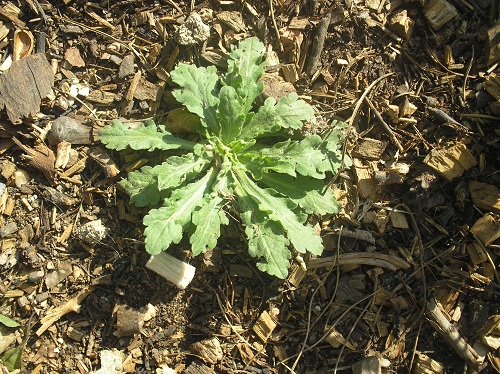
(369, 149)
(365, 178)
(439, 12)
(485, 196)
(426, 365)
(492, 85)
(452, 161)
(360, 258)
(477, 253)
(264, 326)
(493, 45)
(399, 221)
(317, 44)
(336, 340)
(490, 332)
(72, 305)
(24, 85)
(452, 336)
(487, 228)
(290, 73)
(402, 24)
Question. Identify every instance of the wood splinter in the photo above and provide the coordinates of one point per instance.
(452, 336)
(56, 313)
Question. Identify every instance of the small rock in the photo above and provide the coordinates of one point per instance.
(8, 229)
(92, 232)
(126, 67)
(130, 321)
(36, 275)
(111, 362)
(70, 130)
(193, 31)
(21, 178)
(57, 276)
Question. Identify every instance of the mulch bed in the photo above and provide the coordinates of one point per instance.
(408, 281)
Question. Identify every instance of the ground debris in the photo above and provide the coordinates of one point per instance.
(24, 85)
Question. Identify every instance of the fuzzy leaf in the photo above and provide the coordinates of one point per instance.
(266, 239)
(280, 210)
(231, 114)
(304, 191)
(166, 224)
(290, 157)
(268, 243)
(142, 186)
(245, 68)
(178, 169)
(148, 136)
(198, 92)
(208, 219)
(289, 112)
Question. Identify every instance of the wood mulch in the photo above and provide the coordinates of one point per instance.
(408, 281)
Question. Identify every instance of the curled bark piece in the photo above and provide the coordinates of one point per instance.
(23, 44)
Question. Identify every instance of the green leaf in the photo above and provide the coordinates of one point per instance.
(9, 322)
(267, 242)
(280, 210)
(12, 358)
(179, 169)
(142, 186)
(208, 218)
(266, 239)
(166, 224)
(304, 191)
(148, 136)
(245, 68)
(231, 114)
(304, 157)
(198, 92)
(289, 112)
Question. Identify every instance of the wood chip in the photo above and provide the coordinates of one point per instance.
(439, 12)
(209, 350)
(452, 161)
(487, 228)
(369, 149)
(492, 85)
(264, 326)
(485, 196)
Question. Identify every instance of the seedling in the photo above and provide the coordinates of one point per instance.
(245, 157)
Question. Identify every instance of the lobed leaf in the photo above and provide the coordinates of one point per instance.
(208, 219)
(179, 169)
(280, 210)
(165, 225)
(304, 191)
(290, 157)
(142, 186)
(289, 112)
(245, 68)
(147, 136)
(198, 92)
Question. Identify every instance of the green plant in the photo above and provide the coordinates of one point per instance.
(245, 157)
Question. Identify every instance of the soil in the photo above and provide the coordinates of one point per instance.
(421, 100)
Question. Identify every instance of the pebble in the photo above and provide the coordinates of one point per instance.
(70, 130)
(192, 31)
(126, 67)
(21, 177)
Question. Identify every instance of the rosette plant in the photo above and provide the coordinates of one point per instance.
(253, 157)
